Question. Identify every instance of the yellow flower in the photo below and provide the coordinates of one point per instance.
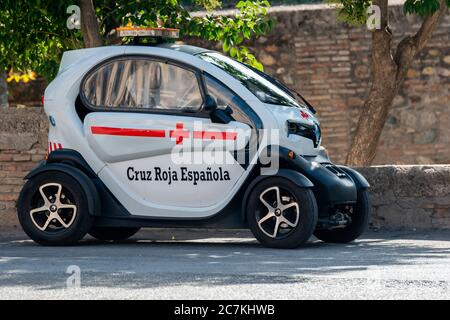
(31, 75)
(25, 77)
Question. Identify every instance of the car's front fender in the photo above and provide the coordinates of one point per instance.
(294, 176)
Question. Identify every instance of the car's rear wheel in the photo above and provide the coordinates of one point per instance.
(359, 221)
(52, 209)
(281, 214)
(112, 233)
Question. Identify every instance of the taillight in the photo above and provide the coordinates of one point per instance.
(42, 98)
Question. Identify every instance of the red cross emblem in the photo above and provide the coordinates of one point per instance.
(179, 134)
(304, 115)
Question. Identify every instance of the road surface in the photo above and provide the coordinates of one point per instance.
(173, 264)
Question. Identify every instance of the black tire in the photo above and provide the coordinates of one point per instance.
(113, 234)
(307, 214)
(360, 221)
(71, 195)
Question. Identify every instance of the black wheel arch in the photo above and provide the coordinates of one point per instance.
(72, 158)
(90, 191)
(358, 178)
(294, 176)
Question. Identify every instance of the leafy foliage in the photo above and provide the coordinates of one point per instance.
(250, 21)
(33, 33)
(354, 12)
(31, 38)
(422, 7)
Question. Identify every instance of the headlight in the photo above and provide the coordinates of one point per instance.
(311, 132)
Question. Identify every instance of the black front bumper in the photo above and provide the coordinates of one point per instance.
(333, 185)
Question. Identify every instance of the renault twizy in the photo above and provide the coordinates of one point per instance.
(171, 135)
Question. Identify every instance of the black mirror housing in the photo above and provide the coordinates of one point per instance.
(217, 115)
(210, 104)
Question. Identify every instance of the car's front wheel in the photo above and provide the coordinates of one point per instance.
(281, 214)
(359, 215)
(52, 209)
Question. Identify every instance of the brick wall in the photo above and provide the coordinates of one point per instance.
(23, 140)
(329, 64)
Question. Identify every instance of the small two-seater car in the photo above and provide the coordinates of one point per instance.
(170, 135)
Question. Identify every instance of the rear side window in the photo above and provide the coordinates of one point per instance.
(139, 83)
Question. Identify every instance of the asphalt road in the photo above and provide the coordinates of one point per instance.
(174, 265)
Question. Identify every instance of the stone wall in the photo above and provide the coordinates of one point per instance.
(329, 64)
(23, 141)
(409, 197)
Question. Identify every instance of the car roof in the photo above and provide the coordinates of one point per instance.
(193, 50)
(72, 56)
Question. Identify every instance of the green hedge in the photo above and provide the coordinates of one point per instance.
(226, 4)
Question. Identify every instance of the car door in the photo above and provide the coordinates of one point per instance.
(159, 147)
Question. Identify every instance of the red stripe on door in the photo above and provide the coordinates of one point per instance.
(129, 132)
(215, 135)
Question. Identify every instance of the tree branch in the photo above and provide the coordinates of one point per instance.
(409, 47)
(382, 62)
(89, 24)
(424, 33)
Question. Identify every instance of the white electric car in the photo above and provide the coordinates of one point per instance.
(169, 135)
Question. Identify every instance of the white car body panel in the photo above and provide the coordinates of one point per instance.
(135, 147)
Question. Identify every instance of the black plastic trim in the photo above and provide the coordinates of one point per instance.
(358, 178)
(73, 158)
(92, 196)
(329, 189)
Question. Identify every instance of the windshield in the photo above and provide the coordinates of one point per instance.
(265, 90)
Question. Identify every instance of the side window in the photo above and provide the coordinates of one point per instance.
(227, 98)
(139, 83)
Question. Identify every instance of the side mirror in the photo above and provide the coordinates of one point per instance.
(210, 103)
(217, 115)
